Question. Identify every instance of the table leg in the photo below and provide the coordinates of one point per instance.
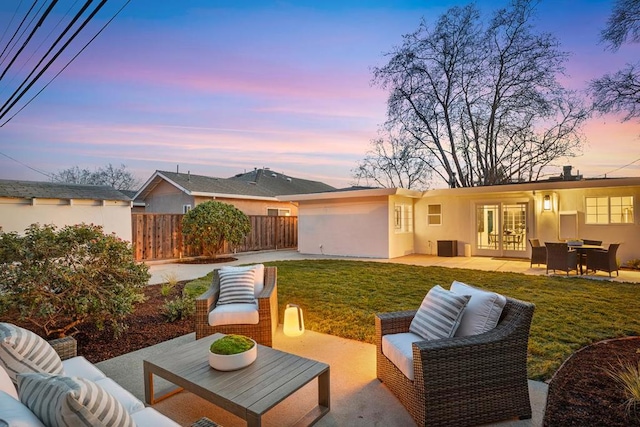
(324, 390)
(148, 384)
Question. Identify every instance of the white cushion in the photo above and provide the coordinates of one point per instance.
(129, 401)
(7, 385)
(236, 286)
(258, 283)
(80, 367)
(398, 349)
(149, 417)
(234, 314)
(482, 312)
(71, 401)
(23, 351)
(439, 314)
(15, 414)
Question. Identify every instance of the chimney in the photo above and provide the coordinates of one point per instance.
(566, 173)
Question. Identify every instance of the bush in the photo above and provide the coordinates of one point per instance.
(179, 308)
(60, 279)
(209, 224)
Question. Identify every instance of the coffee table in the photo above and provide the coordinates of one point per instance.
(249, 392)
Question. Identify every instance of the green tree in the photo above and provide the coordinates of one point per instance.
(211, 223)
(60, 279)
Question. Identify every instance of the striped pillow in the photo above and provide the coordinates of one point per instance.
(23, 351)
(71, 401)
(439, 314)
(236, 287)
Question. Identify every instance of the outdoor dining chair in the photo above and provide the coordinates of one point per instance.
(604, 260)
(559, 257)
(538, 252)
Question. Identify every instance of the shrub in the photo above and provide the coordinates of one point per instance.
(60, 279)
(209, 224)
(633, 263)
(170, 282)
(179, 308)
(627, 376)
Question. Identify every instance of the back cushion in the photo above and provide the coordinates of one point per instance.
(236, 287)
(23, 351)
(482, 312)
(439, 314)
(258, 278)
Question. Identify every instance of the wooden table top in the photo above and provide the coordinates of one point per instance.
(257, 388)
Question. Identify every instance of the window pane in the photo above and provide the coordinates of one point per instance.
(597, 210)
(622, 210)
(434, 214)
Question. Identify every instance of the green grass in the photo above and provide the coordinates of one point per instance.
(341, 297)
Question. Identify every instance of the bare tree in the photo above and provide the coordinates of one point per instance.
(480, 99)
(393, 161)
(117, 177)
(620, 91)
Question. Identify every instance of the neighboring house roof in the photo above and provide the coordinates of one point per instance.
(56, 190)
(260, 184)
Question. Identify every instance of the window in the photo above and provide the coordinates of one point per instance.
(434, 215)
(403, 218)
(186, 208)
(609, 210)
(621, 210)
(278, 212)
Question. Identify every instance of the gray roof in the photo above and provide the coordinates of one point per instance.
(259, 183)
(56, 190)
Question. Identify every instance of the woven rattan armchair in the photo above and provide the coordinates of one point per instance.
(262, 332)
(538, 252)
(604, 260)
(462, 381)
(559, 257)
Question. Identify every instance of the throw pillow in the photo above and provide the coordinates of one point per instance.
(23, 351)
(258, 279)
(236, 287)
(71, 401)
(483, 310)
(439, 314)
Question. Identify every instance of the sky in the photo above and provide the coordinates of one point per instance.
(218, 88)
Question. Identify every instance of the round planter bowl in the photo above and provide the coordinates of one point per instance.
(232, 362)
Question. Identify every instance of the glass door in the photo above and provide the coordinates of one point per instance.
(501, 229)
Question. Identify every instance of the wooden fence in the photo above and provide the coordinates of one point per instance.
(159, 236)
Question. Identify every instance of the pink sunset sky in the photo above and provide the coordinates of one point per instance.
(222, 87)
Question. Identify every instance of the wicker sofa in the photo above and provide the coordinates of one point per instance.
(267, 301)
(466, 380)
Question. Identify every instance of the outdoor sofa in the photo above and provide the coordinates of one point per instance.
(30, 368)
(476, 376)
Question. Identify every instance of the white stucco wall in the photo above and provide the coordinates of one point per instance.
(114, 216)
(400, 243)
(347, 227)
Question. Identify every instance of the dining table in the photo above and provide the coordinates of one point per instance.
(584, 249)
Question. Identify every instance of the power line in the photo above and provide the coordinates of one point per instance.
(26, 166)
(622, 167)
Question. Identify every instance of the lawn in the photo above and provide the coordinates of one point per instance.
(341, 297)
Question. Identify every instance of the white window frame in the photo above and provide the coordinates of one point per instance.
(186, 208)
(605, 210)
(431, 216)
(280, 211)
(403, 218)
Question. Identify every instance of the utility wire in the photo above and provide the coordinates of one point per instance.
(15, 13)
(622, 167)
(15, 33)
(27, 166)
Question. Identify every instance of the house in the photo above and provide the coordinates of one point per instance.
(23, 203)
(254, 193)
(492, 221)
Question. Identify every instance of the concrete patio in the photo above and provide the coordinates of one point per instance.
(357, 397)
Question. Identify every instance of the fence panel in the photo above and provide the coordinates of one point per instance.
(159, 236)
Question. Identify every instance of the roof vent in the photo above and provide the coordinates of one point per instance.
(288, 179)
(274, 175)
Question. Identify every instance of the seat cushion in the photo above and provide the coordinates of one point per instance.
(149, 417)
(71, 401)
(7, 385)
(15, 413)
(236, 287)
(439, 314)
(483, 311)
(24, 351)
(234, 314)
(398, 349)
(258, 280)
(80, 367)
(130, 403)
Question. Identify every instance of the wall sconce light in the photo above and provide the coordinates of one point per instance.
(546, 203)
(293, 321)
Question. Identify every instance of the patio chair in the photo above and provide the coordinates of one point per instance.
(538, 252)
(466, 380)
(583, 254)
(559, 257)
(262, 332)
(604, 260)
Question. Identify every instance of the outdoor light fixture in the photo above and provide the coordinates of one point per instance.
(293, 321)
(546, 203)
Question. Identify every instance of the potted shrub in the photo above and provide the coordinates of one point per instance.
(232, 352)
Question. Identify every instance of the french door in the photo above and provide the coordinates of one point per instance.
(501, 229)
